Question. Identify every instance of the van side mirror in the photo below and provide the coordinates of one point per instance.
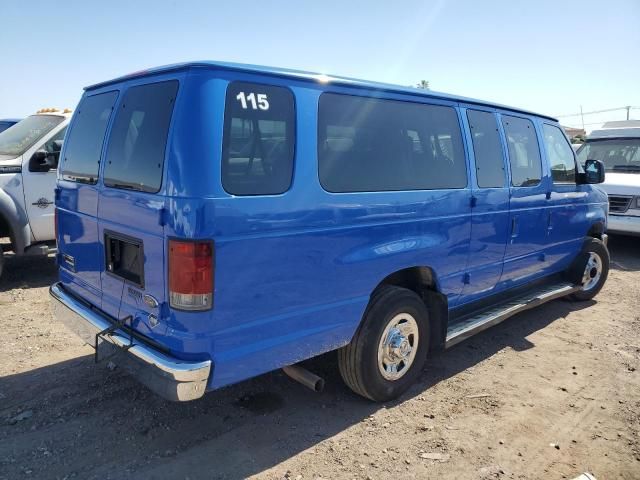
(593, 172)
(42, 161)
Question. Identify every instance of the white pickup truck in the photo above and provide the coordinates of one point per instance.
(617, 145)
(29, 152)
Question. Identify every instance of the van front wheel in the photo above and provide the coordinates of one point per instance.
(595, 272)
(389, 350)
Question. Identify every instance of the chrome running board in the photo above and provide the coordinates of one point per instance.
(488, 318)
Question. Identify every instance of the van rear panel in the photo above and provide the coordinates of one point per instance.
(80, 251)
(111, 202)
(132, 236)
(79, 257)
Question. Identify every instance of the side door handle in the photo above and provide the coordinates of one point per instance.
(548, 195)
(514, 227)
(549, 223)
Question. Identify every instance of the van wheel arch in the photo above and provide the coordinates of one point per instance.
(423, 281)
(6, 230)
(575, 271)
(14, 223)
(596, 230)
(592, 247)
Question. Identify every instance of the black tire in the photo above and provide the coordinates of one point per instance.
(358, 361)
(1, 261)
(592, 246)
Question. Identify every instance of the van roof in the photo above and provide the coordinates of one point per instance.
(311, 77)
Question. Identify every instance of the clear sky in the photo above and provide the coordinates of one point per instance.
(550, 56)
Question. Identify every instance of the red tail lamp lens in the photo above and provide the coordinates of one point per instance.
(191, 267)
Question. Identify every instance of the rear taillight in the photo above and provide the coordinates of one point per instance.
(191, 266)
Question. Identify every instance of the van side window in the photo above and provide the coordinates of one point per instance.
(560, 154)
(524, 152)
(487, 149)
(258, 140)
(367, 144)
(84, 144)
(136, 149)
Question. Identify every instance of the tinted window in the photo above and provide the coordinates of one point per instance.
(367, 144)
(524, 153)
(560, 154)
(487, 149)
(17, 139)
(84, 145)
(135, 154)
(259, 136)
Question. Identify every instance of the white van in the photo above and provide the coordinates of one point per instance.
(617, 145)
(29, 154)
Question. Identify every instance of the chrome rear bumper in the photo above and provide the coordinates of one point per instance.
(169, 377)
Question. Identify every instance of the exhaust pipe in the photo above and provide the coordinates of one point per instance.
(305, 377)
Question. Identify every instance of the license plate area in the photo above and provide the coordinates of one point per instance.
(124, 257)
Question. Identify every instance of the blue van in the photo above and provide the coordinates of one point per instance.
(218, 221)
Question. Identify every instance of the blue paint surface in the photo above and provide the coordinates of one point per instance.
(294, 271)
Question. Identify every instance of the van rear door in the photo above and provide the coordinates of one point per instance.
(79, 248)
(131, 206)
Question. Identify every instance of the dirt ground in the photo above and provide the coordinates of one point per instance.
(550, 393)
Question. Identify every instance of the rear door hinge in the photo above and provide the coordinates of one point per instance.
(162, 216)
(466, 279)
(474, 201)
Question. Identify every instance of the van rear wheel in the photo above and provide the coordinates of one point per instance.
(389, 350)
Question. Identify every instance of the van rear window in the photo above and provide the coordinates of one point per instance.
(136, 149)
(84, 145)
(258, 143)
(367, 144)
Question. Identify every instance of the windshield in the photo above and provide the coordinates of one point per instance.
(17, 139)
(617, 154)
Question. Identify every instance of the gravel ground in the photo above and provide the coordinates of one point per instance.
(550, 393)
